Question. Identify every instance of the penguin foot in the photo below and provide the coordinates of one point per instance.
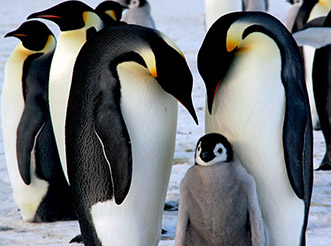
(171, 206)
(77, 239)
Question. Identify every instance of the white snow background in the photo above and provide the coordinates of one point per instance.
(183, 21)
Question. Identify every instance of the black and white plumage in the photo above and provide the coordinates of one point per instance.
(110, 12)
(77, 22)
(122, 104)
(216, 8)
(39, 186)
(138, 13)
(257, 98)
(218, 199)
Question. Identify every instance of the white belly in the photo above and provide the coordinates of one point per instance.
(59, 86)
(26, 197)
(249, 110)
(151, 117)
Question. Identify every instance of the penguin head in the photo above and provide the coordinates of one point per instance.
(135, 3)
(237, 34)
(110, 11)
(34, 36)
(213, 148)
(69, 15)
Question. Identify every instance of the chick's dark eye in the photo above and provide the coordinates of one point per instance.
(220, 150)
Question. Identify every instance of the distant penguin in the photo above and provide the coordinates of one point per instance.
(322, 93)
(77, 23)
(121, 131)
(292, 13)
(257, 98)
(139, 13)
(213, 192)
(39, 186)
(110, 12)
(216, 8)
(310, 10)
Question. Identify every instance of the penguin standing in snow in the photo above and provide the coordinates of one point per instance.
(121, 130)
(310, 10)
(257, 98)
(216, 8)
(214, 192)
(39, 186)
(77, 23)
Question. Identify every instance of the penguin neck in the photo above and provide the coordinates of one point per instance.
(320, 9)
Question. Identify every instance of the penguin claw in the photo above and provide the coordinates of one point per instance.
(77, 239)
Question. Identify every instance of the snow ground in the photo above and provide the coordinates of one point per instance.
(183, 21)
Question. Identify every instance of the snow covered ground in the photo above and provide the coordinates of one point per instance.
(183, 21)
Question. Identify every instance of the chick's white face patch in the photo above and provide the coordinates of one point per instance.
(219, 153)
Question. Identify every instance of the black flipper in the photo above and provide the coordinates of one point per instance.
(31, 123)
(113, 135)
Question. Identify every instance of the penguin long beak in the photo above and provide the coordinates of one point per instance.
(43, 16)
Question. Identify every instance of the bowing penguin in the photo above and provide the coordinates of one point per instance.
(218, 199)
(39, 187)
(216, 8)
(257, 98)
(120, 132)
(77, 23)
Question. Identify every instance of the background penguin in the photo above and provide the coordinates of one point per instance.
(39, 186)
(292, 13)
(214, 192)
(77, 23)
(216, 8)
(139, 13)
(256, 97)
(310, 10)
(120, 132)
(110, 12)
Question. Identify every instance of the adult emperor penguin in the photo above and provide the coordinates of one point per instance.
(213, 192)
(257, 98)
(77, 23)
(110, 12)
(39, 186)
(216, 8)
(120, 132)
(139, 13)
(310, 10)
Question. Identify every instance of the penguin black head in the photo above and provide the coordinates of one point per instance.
(213, 148)
(33, 35)
(228, 37)
(136, 3)
(69, 15)
(110, 12)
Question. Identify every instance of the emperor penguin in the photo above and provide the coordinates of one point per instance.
(216, 8)
(110, 12)
(121, 130)
(77, 23)
(318, 36)
(218, 199)
(138, 13)
(257, 98)
(310, 10)
(39, 187)
(292, 13)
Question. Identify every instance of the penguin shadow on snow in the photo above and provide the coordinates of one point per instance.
(218, 199)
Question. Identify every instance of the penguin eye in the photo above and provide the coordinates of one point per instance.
(220, 150)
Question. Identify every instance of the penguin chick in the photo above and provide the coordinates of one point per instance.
(139, 13)
(39, 186)
(218, 199)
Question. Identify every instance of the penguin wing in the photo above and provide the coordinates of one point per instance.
(112, 133)
(31, 123)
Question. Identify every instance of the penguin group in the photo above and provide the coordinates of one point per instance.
(89, 122)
